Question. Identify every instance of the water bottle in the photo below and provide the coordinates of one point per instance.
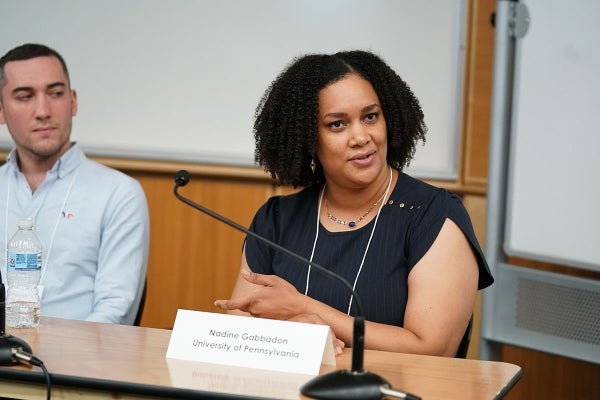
(23, 272)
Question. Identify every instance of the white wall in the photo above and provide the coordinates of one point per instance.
(179, 80)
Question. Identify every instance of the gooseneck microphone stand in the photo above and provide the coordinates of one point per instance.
(355, 383)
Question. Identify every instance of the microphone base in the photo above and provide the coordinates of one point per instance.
(7, 344)
(345, 384)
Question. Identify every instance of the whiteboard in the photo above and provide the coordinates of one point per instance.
(180, 80)
(553, 207)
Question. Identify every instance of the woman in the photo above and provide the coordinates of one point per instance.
(344, 126)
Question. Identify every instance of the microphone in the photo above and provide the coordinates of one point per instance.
(9, 344)
(355, 383)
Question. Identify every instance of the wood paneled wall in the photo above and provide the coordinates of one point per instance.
(194, 259)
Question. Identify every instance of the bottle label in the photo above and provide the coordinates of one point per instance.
(24, 261)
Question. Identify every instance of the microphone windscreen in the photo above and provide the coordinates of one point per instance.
(182, 178)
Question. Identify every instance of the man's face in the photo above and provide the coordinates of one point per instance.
(37, 105)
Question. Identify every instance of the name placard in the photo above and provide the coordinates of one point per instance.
(249, 342)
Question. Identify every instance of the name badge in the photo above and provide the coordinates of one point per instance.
(250, 342)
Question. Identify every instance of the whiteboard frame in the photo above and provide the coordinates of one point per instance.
(554, 168)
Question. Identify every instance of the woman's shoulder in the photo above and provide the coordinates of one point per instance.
(416, 192)
(427, 199)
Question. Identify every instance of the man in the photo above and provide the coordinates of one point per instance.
(92, 220)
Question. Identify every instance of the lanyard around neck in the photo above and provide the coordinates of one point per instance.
(58, 218)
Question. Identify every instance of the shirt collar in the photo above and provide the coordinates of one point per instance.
(62, 167)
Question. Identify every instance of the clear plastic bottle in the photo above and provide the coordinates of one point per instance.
(23, 272)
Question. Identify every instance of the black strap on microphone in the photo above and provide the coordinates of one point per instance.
(356, 383)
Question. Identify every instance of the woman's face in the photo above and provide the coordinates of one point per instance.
(352, 144)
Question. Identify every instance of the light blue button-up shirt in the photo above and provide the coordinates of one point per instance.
(93, 224)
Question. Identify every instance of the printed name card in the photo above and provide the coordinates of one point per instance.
(249, 342)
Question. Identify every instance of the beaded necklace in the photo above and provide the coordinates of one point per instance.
(351, 224)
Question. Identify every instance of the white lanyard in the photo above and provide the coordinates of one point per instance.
(62, 207)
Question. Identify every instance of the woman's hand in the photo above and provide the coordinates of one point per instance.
(272, 297)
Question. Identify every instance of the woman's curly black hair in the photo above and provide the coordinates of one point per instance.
(286, 119)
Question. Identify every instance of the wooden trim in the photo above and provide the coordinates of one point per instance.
(171, 167)
(477, 95)
(135, 166)
(167, 167)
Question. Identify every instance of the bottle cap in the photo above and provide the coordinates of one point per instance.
(26, 223)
